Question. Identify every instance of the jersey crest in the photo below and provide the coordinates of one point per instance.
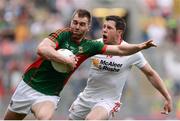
(80, 49)
(95, 62)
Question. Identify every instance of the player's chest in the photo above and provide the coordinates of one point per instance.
(110, 63)
(76, 49)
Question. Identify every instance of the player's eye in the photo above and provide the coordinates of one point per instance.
(75, 22)
(82, 24)
(109, 27)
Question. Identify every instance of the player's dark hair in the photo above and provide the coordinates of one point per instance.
(83, 13)
(120, 22)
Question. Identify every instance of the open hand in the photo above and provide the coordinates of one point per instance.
(148, 44)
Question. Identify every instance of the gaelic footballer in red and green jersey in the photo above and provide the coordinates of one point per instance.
(42, 77)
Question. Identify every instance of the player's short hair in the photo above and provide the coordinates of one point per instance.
(120, 22)
(83, 13)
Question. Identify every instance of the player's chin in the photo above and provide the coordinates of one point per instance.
(77, 36)
(105, 41)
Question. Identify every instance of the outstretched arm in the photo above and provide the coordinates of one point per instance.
(158, 83)
(128, 49)
(46, 49)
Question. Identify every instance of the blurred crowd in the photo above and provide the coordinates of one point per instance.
(23, 24)
(161, 21)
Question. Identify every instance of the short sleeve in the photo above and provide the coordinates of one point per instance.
(139, 60)
(59, 36)
(55, 35)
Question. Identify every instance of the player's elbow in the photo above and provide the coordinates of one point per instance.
(40, 49)
(150, 72)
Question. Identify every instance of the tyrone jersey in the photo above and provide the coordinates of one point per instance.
(108, 75)
(41, 75)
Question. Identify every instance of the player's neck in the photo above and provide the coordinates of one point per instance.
(78, 40)
(119, 39)
(117, 42)
(114, 43)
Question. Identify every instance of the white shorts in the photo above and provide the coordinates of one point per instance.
(25, 97)
(81, 107)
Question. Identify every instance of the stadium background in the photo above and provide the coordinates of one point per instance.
(23, 24)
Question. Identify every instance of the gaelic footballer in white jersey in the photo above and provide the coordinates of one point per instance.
(107, 78)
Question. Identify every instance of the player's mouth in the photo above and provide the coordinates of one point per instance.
(104, 38)
(76, 32)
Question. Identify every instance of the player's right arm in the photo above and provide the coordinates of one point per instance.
(46, 49)
(128, 49)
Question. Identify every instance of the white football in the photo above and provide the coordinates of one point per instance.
(59, 66)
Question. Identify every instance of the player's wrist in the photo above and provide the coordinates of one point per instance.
(169, 99)
(141, 46)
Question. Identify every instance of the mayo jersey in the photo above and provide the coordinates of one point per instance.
(42, 77)
(108, 75)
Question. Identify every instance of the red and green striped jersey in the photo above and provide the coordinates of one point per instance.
(42, 77)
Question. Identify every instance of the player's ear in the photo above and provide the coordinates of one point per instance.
(89, 27)
(119, 31)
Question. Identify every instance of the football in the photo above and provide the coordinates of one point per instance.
(59, 66)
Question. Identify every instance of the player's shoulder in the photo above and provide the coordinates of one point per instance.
(137, 56)
(99, 40)
(66, 29)
(93, 41)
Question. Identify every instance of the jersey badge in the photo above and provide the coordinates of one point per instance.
(95, 62)
(80, 49)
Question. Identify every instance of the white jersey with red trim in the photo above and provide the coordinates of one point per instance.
(108, 75)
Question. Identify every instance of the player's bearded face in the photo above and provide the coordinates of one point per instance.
(109, 32)
(79, 26)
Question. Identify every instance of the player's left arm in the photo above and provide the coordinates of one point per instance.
(128, 49)
(46, 49)
(158, 83)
